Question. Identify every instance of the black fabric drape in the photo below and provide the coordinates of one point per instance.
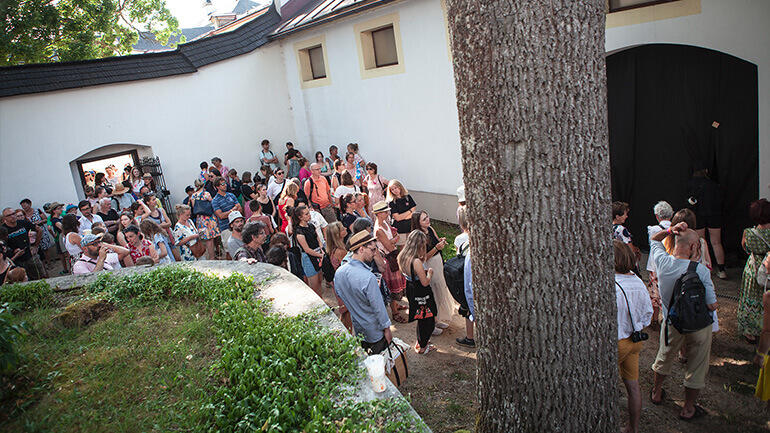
(663, 100)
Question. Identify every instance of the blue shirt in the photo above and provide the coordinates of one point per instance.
(468, 284)
(669, 269)
(223, 203)
(357, 286)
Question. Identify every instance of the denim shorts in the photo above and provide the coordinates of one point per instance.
(307, 266)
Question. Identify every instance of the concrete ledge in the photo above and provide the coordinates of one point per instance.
(289, 296)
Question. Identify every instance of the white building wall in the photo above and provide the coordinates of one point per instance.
(406, 123)
(225, 109)
(735, 27)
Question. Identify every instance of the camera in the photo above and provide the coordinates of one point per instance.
(638, 336)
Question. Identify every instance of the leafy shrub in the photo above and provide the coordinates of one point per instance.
(283, 373)
(9, 335)
(25, 296)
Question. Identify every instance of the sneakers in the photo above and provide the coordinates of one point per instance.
(465, 341)
(437, 331)
(722, 275)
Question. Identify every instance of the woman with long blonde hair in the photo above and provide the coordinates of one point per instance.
(335, 248)
(422, 305)
(401, 207)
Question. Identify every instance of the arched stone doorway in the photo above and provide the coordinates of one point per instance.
(119, 152)
(671, 107)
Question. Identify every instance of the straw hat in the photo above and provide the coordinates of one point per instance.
(380, 206)
(359, 239)
(119, 189)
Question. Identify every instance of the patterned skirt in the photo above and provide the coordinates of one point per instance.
(208, 228)
(749, 313)
(395, 281)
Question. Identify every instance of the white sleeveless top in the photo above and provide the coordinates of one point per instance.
(73, 249)
(385, 228)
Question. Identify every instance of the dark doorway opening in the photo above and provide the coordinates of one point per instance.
(671, 106)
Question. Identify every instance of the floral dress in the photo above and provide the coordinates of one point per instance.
(749, 313)
(182, 231)
(207, 225)
(142, 250)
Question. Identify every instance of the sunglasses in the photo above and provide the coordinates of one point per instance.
(279, 173)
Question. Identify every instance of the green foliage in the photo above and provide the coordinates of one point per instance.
(283, 373)
(450, 232)
(41, 31)
(25, 296)
(10, 333)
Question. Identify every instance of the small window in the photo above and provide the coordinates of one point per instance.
(379, 47)
(312, 62)
(317, 68)
(621, 5)
(384, 41)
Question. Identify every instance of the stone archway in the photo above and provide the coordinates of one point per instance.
(133, 152)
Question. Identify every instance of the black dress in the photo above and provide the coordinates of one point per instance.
(422, 304)
(267, 208)
(401, 205)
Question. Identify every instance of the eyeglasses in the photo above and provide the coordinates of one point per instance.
(279, 173)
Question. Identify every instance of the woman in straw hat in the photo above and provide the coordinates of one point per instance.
(386, 241)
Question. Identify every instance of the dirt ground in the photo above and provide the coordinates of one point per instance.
(442, 385)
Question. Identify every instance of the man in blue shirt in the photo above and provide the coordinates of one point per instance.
(223, 204)
(669, 268)
(357, 286)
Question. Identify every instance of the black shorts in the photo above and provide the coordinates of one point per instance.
(708, 220)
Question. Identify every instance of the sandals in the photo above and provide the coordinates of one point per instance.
(662, 397)
(699, 413)
(399, 318)
(429, 348)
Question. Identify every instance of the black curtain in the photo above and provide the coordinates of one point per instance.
(663, 101)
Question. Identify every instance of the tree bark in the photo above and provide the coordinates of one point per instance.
(531, 97)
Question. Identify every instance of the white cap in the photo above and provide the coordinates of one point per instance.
(234, 215)
(461, 193)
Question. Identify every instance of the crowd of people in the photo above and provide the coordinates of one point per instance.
(335, 221)
(680, 264)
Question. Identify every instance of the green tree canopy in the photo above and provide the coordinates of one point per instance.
(42, 31)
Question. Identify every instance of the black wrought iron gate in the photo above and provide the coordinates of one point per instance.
(152, 165)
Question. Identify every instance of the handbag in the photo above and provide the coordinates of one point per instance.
(327, 268)
(392, 259)
(396, 365)
(198, 249)
(202, 207)
(761, 269)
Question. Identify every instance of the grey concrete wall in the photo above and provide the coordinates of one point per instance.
(439, 206)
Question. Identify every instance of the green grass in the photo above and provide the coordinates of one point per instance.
(186, 351)
(128, 372)
(450, 232)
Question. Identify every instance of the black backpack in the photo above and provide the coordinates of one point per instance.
(312, 186)
(454, 274)
(687, 310)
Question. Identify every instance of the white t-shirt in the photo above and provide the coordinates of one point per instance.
(273, 189)
(345, 189)
(460, 240)
(652, 231)
(268, 155)
(86, 224)
(319, 222)
(113, 260)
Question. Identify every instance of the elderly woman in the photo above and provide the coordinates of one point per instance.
(633, 314)
(756, 243)
(444, 300)
(663, 213)
(185, 233)
(253, 236)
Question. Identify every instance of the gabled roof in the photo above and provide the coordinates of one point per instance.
(239, 37)
(147, 41)
(322, 11)
(250, 33)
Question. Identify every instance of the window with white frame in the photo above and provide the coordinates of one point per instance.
(379, 47)
(312, 63)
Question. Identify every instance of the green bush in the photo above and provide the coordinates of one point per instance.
(282, 373)
(10, 333)
(25, 296)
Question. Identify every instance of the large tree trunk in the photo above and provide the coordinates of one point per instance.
(531, 97)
